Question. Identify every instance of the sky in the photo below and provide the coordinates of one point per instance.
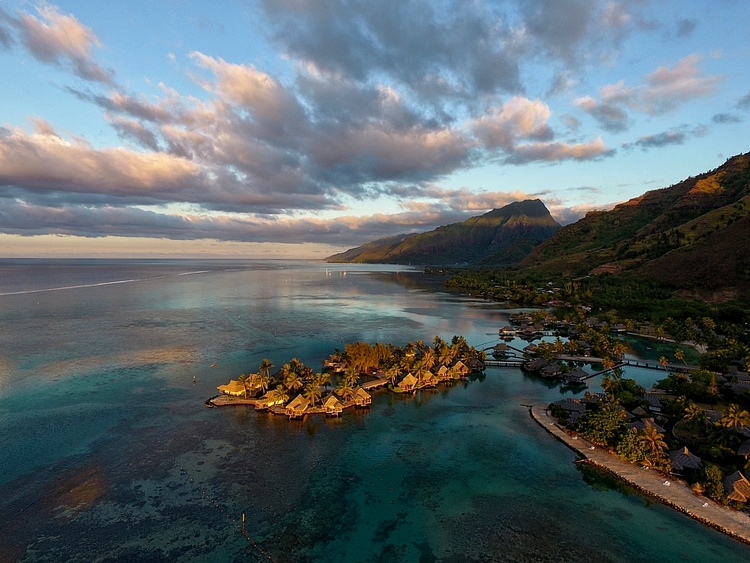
(298, 128)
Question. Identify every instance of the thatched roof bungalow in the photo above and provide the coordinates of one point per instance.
(299, 405)
(333, 406)
(737, 487)
(460, 368)
(361, 397)
(268, 400)
(234, 388)
(682, 459)
(443, 373)
(408, 383)
(744, 449)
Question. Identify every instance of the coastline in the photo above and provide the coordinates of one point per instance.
(676, 494)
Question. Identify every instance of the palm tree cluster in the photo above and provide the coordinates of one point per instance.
(394, 362)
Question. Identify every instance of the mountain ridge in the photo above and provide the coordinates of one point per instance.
(502, 236)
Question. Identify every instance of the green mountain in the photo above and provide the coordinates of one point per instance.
(501, 237)
(695, 234)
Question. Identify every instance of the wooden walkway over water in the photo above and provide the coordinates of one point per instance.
(668, 490)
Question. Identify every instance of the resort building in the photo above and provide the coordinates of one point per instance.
(408, 383)
(234, 388)
(737, 487)
(268, 400)
(298, 406)
(332, 406)
(361, 397)
(682, 459)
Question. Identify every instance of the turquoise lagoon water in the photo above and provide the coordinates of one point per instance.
(107, 453)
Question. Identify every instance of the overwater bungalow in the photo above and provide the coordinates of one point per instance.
(535, 365)
(234, 388)
(268, 400)
(408, 383)
(507, 332)
(551, 371)
(429, 380)
(461, 368)
(531, 349)
(332, 406)
(361, 397)
(737, 487)
(299, 405)
(682, 459)
(577, 375)
(501, 350)
(443, 373)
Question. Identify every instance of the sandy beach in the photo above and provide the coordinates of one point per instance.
(667, 489)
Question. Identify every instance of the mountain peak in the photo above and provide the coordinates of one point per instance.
(502, 236)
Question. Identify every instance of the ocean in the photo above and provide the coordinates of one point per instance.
(108, 454)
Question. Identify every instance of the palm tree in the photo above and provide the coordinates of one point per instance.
(392, 373)
(291, 379)
(352, 376)
(278, 394)
(428, 357)
(653, 441)
(246, 383)
(265, 367)
(663, 362)
(344, 389)
(261, 380)
(695, 417)
(680, 356)
(312, 392)
(420, 370)
(735, 417)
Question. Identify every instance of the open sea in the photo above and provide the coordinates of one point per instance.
(108, 454)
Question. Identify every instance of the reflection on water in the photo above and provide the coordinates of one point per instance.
(108, 453)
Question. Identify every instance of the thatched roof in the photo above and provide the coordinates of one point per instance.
(573, 405)
(683, 459)
(638, 411)
(578, 373)
(744, 449)
(332, 404)
(362, 397)
(737, 487)
(234, 387)
(408, 382)
(500, 348)
(461, 367)
(653, 401)
(299, 404)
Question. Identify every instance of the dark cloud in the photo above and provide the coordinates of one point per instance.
(744, 102)
(685, 27)
(726, 118)
(411, 42)
(661, 140)
(6, 34)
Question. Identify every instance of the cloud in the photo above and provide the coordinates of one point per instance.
(677, 136)
(744, 102)
(57, 39)
(411, 42)
(6, 35)
(663, 91)
(726, 118)
(557, 151)
(661, 139)
(685, 27)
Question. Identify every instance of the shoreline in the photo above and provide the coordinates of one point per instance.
(670, 491)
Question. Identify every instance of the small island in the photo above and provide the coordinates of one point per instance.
(348, 376)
